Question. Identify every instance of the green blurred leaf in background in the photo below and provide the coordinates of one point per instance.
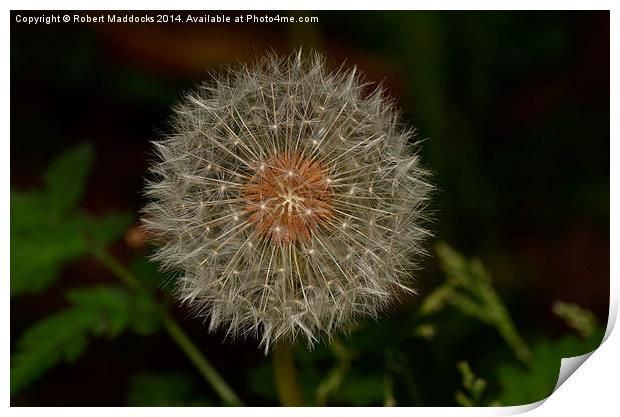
(469, 289)
(65, 178)
(100, 311)
(474, 387)
(47, 231)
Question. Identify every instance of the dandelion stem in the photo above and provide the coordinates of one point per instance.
(118, 269)
(200, 362)
(176, 333)
(285, 375)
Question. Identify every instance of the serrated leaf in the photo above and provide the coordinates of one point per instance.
(28, 210)
(114, 305)
(65, 177)
(44, 235)
(38, 255)
(100, 311)
(39, 252)
(138, 310)
(99, 298)
(53, 339)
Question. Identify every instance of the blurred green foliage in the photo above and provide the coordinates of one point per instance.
(47, 232)
(46, 225)
(474, 388)
(101, 311)
(469, 289)
(43, 226)
(583, 321)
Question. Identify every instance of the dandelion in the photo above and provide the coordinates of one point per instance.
(289, 198)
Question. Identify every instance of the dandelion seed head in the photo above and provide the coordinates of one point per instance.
(289, 198)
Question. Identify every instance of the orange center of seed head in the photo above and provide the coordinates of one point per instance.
(288, 198)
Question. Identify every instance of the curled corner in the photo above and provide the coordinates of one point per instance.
(569, 365)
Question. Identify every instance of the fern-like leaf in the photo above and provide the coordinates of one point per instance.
(100, 311)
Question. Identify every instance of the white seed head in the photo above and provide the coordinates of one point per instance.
(289, 198)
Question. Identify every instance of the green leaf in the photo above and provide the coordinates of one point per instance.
(38, 255)
(58, 337)
(39, 250)
(100, 311)
(66, 176)
(112, 303)
(28, 210)
(139, 311)
(44, 234)
(164, 390)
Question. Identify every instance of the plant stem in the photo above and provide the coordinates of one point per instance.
(118, 269)
(285, 375)
(176, 333)
(200, 362)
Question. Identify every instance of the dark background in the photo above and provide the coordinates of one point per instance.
(515, 106)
